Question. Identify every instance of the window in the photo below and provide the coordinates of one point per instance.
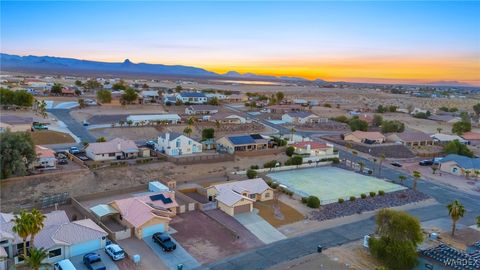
(267, 195)
(252, 196)
(178, 143)
(111, 154)
(189, 142)
(55, 252)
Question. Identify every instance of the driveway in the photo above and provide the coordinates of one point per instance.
(259, 227)
(172, 259)
(109, 264)
(148, 258)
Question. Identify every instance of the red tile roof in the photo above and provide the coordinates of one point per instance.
(471, 135)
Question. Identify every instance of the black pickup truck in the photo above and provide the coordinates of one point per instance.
(93, 261)
(164, 241)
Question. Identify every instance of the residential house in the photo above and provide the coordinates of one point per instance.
(300, 101)
(225, 118)
(444, 257)
(68, 91)
(15, 123)
(176, 144)
(368, 137)
(285, 108)
(445, 118)
(473, 138)
(154, 118)
(314, 151)
(45, 159)
(192, 97)
(149, 96)
(458, 165)
(299, 117)
(146, 214)
(238, 197)
(111, 150)
(236, 98)
(61, 238)
(410, 138)
(418, 110)
(442, 138)
(169, 100)
(215, 95)
(250, 142)
(201, 109)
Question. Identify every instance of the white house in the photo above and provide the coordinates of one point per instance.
(216, 95)
(176, 144)
(301, 117)
(114, 149)
(201, 109)
(225, 118)
(150, 96)
(170, 118)
(314, 151)
(45, 159)
(192, 97)
(446, 138)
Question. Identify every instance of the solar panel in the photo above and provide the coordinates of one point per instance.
(161, 197)
(256, 136)
(246, 139)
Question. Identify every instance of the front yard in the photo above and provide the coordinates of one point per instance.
(50, 137)
(277, 213)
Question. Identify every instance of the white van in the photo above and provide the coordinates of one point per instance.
(64, 265)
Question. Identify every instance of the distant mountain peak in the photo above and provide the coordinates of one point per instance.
(127, 62)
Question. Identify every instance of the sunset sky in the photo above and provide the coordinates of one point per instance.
(405, 42)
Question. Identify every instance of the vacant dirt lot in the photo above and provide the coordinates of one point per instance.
(204, 238)
(278, 213)
(51, 137)
(86, 113)
(354, 255)
(132, 133)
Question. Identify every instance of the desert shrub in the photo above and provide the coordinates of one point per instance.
(363, 195)
(341, 200)
(254, 167)
(352, 198)
(251, 174)
(313, 202)
(270, 164)
(372, 194)
(274, 185)
(289, 151)
(381, 192)
(304, 200)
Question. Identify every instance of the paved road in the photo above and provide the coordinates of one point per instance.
(75, 127)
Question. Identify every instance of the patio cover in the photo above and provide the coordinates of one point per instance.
(103, 210)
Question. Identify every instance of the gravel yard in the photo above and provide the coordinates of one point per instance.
(51, 137)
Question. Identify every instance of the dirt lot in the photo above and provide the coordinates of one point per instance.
(204, 238)
(312, 261)
(51, 137)
(278, 213)
(353, 254)
(86, 113)
(132, 133)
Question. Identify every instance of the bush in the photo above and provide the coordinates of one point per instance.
(313, 202)
(251, 174)
(274, 185)
(296, 160)
(289, 151)
(352, 198)
(304, 200)
(341, 200)
(381, 192)
(270, 164)
(372, 194)
(363, 195)
(254, 167)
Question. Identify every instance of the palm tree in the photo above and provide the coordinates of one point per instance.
(382, 158)
(467, 174)
(456, 211)
(439, 130)
(362, 165)
(34, 260)
(416, 175)
(37, 224)
(22, 226)
(43, 109)
(292, 132)
(191, 121)
(476, 172)
(402, 178)
(434, 169)
(187, 131)
(478, 221)
(217, 124)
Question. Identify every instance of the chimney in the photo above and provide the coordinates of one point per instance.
(167, 136)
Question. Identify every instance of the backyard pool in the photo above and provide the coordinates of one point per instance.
(331, 183)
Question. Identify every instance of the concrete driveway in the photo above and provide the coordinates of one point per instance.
(109, 264)
(259, 227)
(174, 258)
(148, 260)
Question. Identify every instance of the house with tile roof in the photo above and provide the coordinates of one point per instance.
(458, 165)
(201, 109)
(60, 237)
(192, 97)
(314, 151)
(226, 118)
(238, 197)
(410, 138)
(369, 137)
(445, 257)
(442, 138)
(246, 142)
(147, 214)
(149, 96)
(176, 144)
(115, 149)
(472, 137)
(45, 159)
(301, 117)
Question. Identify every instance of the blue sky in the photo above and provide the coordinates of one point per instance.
(311, 39)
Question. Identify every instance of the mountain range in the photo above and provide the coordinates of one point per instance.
(50, 63)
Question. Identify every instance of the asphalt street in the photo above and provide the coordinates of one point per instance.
(75, 127)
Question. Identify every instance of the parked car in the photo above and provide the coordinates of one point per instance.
(151, 144)
(39, 126)
(396, 164)
(62, 161)
(115, 252)
(64, 265)
(85, 123)
(164, 241)
(426, 162)
(93, 261)
(74, 150)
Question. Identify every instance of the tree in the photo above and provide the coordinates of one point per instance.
(456, 147)
(377, 120)
(292, 132)
(37, 219)
(478, 222)
(416, 175)
(208, 133)
(119, 85)
(92, 84)
(382, 158)
(392, 126)
(456, 211)
(81, 103)
(461, 127)
(35, 259)
(187, 131)
(22, 227)
(23, 98)
(402, 178)
(313, 202)
(129, 96)
(421, 115)
(476, 109)
(295, 160)
(214, 101)
(42, 109)
(104, 96)
(56, 88)
(251, 174)
(399, 234)
(361, 165)
(178, 88)
(78, 83)
(341, 119)
(381, 109)
(191, 120)
(439, 130)
(279, 96)
(17, 152)
(101, 139)
(358, 124)
(289, 151)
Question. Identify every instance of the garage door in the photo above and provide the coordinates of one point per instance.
(86, 247)
(241, 209)
(150, 230)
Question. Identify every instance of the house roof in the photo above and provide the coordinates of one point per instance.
(369, 135)
(203, 108)
(462, 161)
(154, 117)
(102, 210)
(446, 137)
(243, 139)
(313, 145)
(44, 152)
(230, 193)
(443, 118)
(413, 136)
(221, 116)
(149, 93)
(443, 254)
(300, 114)
(173, 135)
(15, 120)
(285, 106)
(235, 96)
(192, 94)
(113, 146)
(471, 136)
